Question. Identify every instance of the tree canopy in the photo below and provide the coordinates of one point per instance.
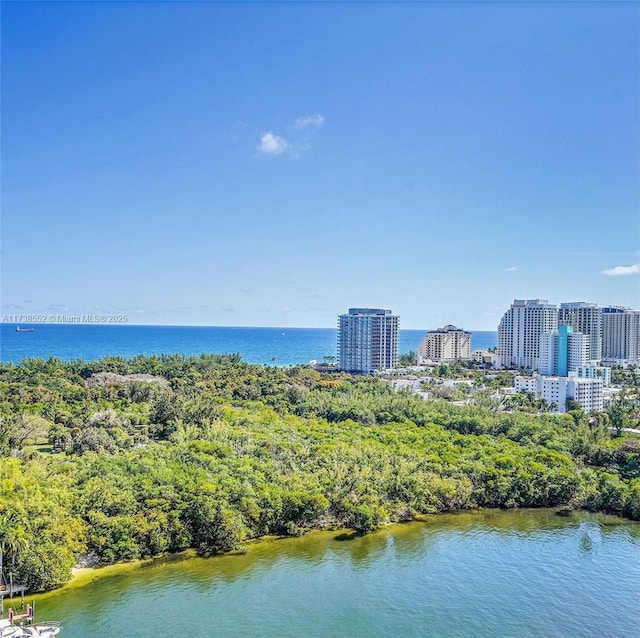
(131, 458)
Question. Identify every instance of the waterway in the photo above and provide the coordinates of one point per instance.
(495, 574)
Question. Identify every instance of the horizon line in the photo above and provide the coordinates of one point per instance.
(164, 325)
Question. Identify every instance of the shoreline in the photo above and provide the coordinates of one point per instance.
(83, 575)
(294, 584)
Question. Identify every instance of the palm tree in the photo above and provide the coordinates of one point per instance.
(13, 540)
(618, 412)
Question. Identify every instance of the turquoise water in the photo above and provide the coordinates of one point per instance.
(495, 574)
(271, 346)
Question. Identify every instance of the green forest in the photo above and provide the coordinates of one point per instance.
(121, 459)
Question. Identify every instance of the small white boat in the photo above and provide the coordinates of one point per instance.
(8, 629)
(18, 624)
(41, 630)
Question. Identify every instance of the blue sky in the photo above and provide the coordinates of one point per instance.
(276, 163)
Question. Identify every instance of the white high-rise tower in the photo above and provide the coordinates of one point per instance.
(621, 335)
(563, 351)
(587, 319)
(367, 340)
(520, 330)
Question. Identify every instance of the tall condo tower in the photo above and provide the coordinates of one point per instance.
(563, 351)
(520, 330)
(367, 340)
(587, 319)
(621, 335)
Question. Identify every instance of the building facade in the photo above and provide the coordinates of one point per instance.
(563, 351)
(520, 330)
(367, 340)
(587, 319)
(444, 345)
(621, 335)
(588, 393)
(556, 391)
(485, 357)
(595, 372)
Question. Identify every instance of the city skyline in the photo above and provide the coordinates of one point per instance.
(271, 164)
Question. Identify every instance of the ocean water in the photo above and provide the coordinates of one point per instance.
(264, 346)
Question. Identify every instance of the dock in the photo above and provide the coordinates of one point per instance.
(12, 591)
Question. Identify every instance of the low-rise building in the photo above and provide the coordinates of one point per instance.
(556, 391)
(588, 393)
(595, 372)
(485, 357)
(526, 384)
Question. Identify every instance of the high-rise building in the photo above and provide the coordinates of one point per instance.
(520, 329)
(444, 345)
(587, 319)
(621, 335)
(563, 351)
(367, 340)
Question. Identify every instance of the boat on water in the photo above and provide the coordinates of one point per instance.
(20, 624)
(9, 627)
(19, 329)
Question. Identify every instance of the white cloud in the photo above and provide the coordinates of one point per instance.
(274, 145)
(621, 271)
(511, 269)
(309, 120)
(271, 144)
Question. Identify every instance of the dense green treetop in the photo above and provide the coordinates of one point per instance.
(131, 458)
